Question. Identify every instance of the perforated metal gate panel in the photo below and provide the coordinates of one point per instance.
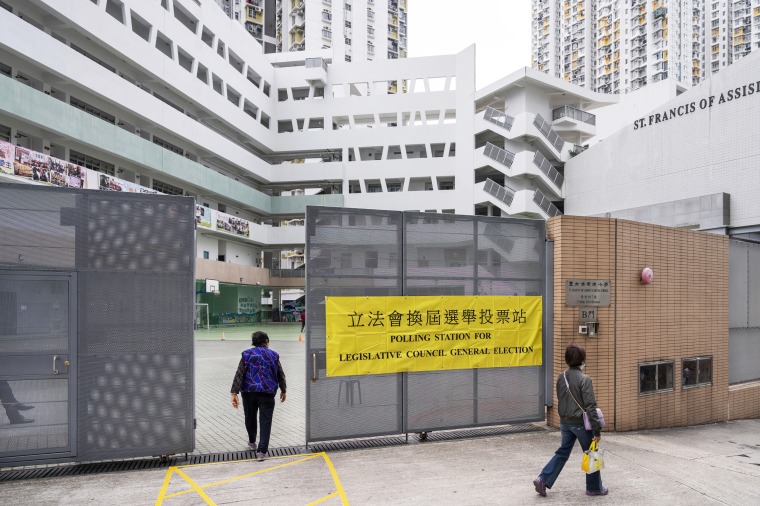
(350, 252)
(744, 312)
(134, 258)
(367, 252)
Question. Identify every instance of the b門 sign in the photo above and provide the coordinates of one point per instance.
(588, 292)
(381, 335)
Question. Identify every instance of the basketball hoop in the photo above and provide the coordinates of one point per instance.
(216, 294)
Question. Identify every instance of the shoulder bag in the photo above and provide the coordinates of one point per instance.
(586, 420)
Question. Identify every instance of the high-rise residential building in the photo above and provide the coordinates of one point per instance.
(616, 46)
(356, 30)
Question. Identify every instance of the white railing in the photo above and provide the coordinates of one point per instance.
(571, 112)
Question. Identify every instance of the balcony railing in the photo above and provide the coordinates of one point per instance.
(287, 273)
(572, 112)
(317, 62)
(500, 155)
(548, 132)
(545, 204)
(502, 193)
(548, 169)
(499, 118)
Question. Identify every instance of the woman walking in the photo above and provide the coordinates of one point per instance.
(258, 375)
(574, 389)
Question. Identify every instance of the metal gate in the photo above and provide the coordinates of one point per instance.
(96, 332)
(353, 252)
(37, 346)
(744, 312)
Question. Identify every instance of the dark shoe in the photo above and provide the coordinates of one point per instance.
(21, 419)
(540, 486)
(604, 491)
(24, 407)
(261, 456)
(252, 446)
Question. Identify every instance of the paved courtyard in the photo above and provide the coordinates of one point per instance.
(220, 427)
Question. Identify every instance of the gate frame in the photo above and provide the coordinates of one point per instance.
(545, 376)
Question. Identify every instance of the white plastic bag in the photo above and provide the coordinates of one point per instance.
(593, 459)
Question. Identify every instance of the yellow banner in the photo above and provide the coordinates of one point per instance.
(380, 335)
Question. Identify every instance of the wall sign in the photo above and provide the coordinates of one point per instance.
(588, 292)
(704, 103)
(381, 335)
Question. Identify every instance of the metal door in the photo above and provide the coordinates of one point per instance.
(37, 369)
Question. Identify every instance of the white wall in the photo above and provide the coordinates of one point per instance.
(632, 106)
(710, 150)
(240, 254)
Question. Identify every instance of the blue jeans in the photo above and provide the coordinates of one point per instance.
(570, 433)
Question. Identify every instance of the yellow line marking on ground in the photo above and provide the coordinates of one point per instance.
(244, 460)
(165, 486)
(236, 478)
(318, 501)
(334, 473)
(196, 488)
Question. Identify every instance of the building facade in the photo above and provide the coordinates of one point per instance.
(176, 97)
(355, 30)
(612, 46)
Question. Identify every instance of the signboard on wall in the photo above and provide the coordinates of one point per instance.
(588, 292)
(381, 335)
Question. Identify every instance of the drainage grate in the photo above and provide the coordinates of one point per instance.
(473, 433)
(330, 446)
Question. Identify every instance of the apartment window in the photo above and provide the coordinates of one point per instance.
(370, 259)
(696, 371)
(91, 163)
(75, 102)
(655, 377)
(167, 188)
(167, 145)
(205, 255)
(5, 133)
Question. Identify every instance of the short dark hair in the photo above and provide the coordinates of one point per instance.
(575, 355)
(259, 338)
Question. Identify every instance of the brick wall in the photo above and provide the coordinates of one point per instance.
(682, 314)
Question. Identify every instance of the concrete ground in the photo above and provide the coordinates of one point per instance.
(220, 427)
(711, 464)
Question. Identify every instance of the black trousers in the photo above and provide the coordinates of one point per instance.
(262, 403)
(9, 401)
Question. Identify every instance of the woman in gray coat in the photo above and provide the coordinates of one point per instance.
(572, 386)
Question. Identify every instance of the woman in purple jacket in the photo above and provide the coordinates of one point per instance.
(258, 375)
